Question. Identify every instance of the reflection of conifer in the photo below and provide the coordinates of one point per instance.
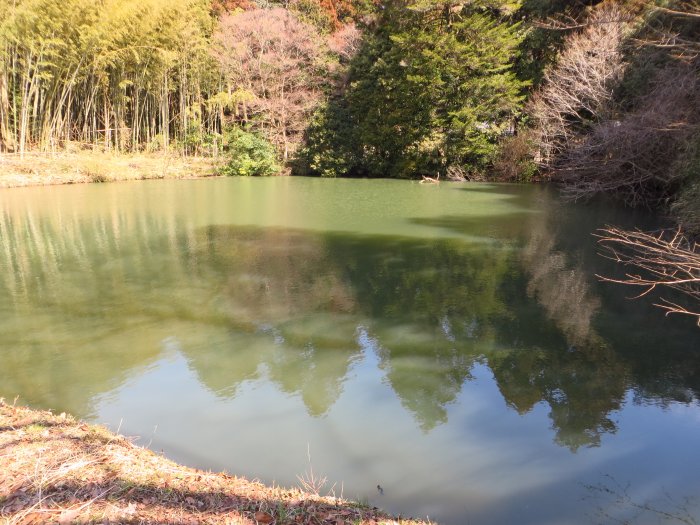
(283, 285)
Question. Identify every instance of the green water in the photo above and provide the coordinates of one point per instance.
(450, 342)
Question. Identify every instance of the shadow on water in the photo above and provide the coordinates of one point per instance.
(290, 303)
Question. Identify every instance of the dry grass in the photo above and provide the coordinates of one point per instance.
(88, 166)
(59, 470)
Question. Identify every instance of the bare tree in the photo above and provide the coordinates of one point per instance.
(578, 89)
(633, 157)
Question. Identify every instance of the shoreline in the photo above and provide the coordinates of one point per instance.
(57, 469)
(42, 169)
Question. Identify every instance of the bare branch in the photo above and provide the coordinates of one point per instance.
(667, 259)
(632, 156)
(690, 13)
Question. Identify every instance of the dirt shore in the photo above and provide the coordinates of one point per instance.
(88, 166)
(55, 469)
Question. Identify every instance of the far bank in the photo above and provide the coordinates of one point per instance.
(37, 168)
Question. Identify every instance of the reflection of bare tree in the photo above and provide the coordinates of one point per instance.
(576, 373)
(274, 275)
(560, 287)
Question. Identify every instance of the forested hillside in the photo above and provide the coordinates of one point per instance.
(601, 97)
(159, 74)
(377, 89)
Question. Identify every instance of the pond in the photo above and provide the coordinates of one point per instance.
(449, 343)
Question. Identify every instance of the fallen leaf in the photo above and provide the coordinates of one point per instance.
(263, 517)
(68, 516)
(130, 509)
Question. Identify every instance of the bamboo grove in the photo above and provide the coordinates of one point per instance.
(116, 74)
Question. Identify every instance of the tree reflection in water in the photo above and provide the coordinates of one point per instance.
(290, 305)
(435, 308)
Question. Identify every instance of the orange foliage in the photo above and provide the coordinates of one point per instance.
(328, 6)
(343, 9)
(222, 7)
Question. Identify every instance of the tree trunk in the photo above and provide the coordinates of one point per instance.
(6, 139)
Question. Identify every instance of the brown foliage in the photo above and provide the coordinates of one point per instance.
(665, 259)
(222, 7)
(514, 161)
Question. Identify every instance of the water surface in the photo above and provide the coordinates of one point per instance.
(450, 343)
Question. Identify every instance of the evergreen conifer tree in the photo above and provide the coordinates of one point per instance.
(433, 87)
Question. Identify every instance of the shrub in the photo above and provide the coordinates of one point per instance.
(515, 161)
(250, 154)
(639, 158)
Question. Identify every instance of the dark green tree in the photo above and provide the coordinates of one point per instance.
(432, 88)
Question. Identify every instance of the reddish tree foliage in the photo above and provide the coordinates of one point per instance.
(278, 59)
(345, 42)
(328, 16)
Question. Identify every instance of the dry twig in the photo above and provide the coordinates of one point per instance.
(664, 259)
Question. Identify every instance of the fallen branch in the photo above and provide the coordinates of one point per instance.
(430, 180)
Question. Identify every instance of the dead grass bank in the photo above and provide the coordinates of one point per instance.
(88, 166)
(55, 469)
